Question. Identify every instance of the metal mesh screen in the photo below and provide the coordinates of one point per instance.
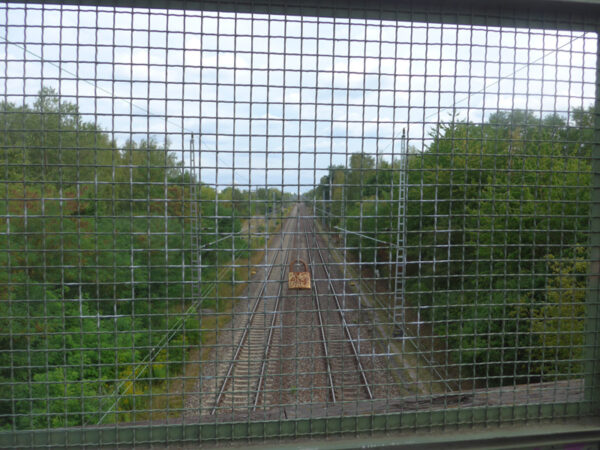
(167, 175)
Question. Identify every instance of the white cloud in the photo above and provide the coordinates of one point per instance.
(219, 77)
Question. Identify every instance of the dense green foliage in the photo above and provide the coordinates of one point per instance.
(96, 246)
(496, 223)
(257, 202)
(96, 249)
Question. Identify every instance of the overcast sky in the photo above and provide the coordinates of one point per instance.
(295, 92)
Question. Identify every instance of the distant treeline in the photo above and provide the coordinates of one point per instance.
(256, 202)
(497, 219)
(97, 245)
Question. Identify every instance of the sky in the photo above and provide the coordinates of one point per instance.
(275, 100)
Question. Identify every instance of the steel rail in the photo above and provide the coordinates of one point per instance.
(375, 298)
(320, 316)
(405, 332)
(242, 340)
(349, 337)
(263, 366)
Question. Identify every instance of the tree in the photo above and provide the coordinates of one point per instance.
(491, 208)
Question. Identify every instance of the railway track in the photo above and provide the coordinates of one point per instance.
(245, 383)
(346, 374)
(378, 305)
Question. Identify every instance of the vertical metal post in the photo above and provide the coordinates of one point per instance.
(330, 208)
(400, 260)
(325, 209)
(195, 224)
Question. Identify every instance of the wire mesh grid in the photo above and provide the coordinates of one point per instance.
(165, 171)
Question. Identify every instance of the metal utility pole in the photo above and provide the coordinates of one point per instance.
(400, 263)
(195, 257)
